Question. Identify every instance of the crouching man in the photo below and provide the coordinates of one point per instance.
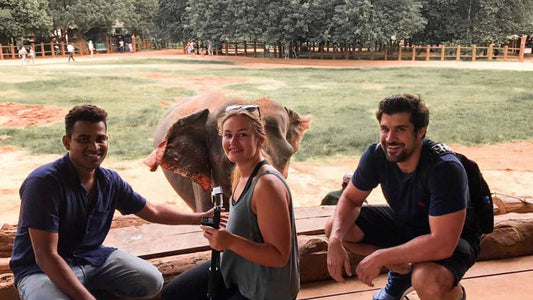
(422, 236)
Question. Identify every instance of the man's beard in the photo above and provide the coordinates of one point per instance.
(403, 155)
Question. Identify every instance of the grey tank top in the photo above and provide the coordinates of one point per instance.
(255, 281)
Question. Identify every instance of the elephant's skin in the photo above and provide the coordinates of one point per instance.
(189, 149)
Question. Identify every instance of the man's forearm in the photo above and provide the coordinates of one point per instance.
(63, 277)
(423, 248)
(343, 218)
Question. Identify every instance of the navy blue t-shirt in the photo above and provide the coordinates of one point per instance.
(411, 199)
(54, 200)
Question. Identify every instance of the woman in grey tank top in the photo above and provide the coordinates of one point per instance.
(260, 259)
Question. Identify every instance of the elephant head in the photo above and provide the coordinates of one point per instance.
(188, 146)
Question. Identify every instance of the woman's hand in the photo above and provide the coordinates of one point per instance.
(219, 239)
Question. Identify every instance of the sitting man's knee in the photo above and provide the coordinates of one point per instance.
(151, 285)
(432, 281)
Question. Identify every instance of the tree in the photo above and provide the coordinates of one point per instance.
(139, 22)
(23, 18)
(169, 20)
(376, 21)
(475, 21)
(497, 20)
(78, 17)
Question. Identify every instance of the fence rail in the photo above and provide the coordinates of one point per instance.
(309, 50)
(346, 51)
(52, 49)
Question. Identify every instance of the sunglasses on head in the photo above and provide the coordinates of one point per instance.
(249, 108)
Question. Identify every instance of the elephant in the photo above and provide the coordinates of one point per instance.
(188, 146)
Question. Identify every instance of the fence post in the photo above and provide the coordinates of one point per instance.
(1, 52)
(522, 48)
(255, 48)
(108, 45)
(428, 52)
(42, 49)
(505, 50)
(62, 48)
(245, 48)
(474, 52)
(490, 54)
(53, 49)
(12, 51)
(458, 54)
(400, 53)
(226, 47)
(442, 52)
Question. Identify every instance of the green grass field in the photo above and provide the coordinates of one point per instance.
(467, 106)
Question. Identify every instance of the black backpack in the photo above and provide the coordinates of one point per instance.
(481, 207)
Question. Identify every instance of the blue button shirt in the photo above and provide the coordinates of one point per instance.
(54, 200)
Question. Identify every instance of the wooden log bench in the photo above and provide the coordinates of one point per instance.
(174, 249)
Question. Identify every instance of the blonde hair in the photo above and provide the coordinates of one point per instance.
(258, 128)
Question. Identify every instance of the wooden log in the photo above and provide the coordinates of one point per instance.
(508, 204)
(512, 236)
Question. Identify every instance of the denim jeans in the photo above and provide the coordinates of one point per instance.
(122, 275)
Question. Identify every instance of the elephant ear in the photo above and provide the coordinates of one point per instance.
(297, 126)
(184, 150)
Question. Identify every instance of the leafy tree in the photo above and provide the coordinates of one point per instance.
(496, 20)
(139, 22)
(169, 20)
(475, 21)
(23, 18)
(371, 21)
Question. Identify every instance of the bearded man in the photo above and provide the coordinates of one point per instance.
(424, 236)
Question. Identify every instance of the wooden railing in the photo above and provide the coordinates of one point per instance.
(327, 51)
(10, 51)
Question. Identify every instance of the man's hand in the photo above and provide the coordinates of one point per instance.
(337, 260)
(223, 216)
(369, 268)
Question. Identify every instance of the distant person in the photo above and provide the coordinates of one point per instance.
(90, 46)
(130, 48)
(209, 48)
(267, 50)
(32, 55)
(56, 49)
(333, 197)
(424, 237)
(193, 48)
(70, 50)
(66, 211)
(121, 46)
(22, 54)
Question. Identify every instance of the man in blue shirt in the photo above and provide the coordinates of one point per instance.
(66, 212)
(424, 237)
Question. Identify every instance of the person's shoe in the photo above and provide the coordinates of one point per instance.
(397, 285)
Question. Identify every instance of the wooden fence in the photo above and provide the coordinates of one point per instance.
(327, 51)
(10, 51)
